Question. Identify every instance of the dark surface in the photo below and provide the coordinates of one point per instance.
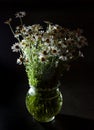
(77, 84)
(15, 120)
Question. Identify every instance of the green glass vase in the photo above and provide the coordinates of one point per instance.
(44, 104)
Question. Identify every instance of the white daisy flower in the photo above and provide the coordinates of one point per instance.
(15, 47)
(63, 58)
(42, 57)
(55, 50)
(20, 14)
(8, 21)
(20, 60)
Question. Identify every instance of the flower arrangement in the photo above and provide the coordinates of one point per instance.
(46, 52)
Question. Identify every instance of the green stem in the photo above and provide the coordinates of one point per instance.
(21, 21)
(11, 30)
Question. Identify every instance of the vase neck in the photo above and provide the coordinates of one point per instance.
(43, 89)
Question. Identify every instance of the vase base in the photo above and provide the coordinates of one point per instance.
(45, 121)
(51, 119)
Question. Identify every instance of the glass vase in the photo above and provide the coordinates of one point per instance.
(44, 104)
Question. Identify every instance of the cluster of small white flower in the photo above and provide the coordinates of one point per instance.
(44, 45)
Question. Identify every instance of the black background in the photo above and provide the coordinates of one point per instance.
(77, 84)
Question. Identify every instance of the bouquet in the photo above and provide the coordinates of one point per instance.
(46, 51)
